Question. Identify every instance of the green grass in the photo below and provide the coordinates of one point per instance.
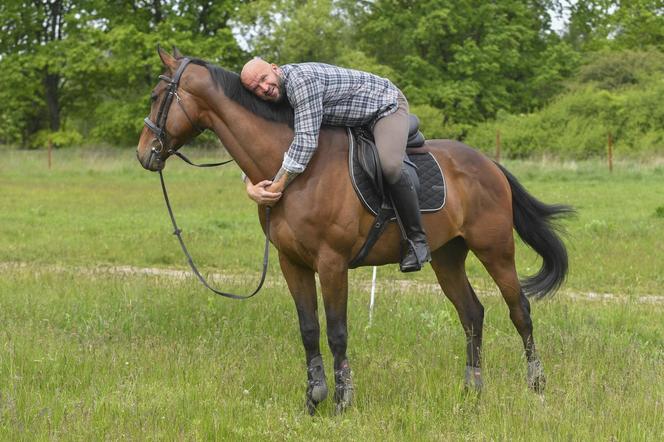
(101, 207)
(143, 358)
(92, 355)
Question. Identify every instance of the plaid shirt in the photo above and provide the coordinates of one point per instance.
(324, 94)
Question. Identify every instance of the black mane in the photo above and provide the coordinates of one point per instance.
(233, 89)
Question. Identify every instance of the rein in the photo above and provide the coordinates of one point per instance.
(178, 232)
(159, 129)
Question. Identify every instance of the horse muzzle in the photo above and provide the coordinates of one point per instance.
(152, 160)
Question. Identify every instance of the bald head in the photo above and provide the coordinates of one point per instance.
(263, 79)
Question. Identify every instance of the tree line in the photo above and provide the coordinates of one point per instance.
(82, 71)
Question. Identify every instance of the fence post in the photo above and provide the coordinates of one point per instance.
(497, 145)
(50, 149)
(610, 152)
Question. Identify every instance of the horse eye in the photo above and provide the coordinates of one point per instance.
(153, 97)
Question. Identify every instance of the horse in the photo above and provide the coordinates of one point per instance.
(319, 224)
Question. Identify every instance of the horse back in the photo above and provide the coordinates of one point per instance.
(320, 212)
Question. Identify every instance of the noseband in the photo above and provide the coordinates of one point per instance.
(159, 128)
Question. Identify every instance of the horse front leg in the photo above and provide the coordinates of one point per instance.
(302, 285)
(333, 274)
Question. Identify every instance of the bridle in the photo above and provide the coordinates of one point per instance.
(159, 130)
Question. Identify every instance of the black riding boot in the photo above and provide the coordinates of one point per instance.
(404, 198)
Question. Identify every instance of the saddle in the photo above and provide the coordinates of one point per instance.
(367, 179)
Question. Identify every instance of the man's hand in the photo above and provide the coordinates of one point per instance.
(260, 194)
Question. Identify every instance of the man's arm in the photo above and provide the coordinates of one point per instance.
(306, 96)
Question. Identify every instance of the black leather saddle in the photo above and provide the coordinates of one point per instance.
(367, 179)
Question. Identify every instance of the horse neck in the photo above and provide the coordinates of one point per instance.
(257, 145)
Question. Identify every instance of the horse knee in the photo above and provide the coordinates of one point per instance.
(391, 170)
(310, 336)
(337, 338)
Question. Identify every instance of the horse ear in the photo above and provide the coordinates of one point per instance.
(167, 59)
(177, 53)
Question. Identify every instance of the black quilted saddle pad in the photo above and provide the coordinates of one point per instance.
(432, 182)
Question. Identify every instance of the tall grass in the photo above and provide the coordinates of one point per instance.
(89, 358)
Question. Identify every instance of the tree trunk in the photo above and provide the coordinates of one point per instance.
(52, 96)
(156, 9)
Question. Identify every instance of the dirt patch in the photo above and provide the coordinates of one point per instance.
(400, 284)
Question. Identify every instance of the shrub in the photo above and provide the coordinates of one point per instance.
(61, 138)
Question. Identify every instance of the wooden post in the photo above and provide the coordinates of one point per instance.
(50, 150)
(497, 145)
(610, 153)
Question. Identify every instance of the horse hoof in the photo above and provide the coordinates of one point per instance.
(473, 381)
(315, 395)
(343, 392)
(343, 399)
(316, 384)
(535, 377)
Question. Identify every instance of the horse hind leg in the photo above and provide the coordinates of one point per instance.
(499, 262)
(448, 263)
(302, 285)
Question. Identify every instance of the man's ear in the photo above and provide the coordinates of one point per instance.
(167, 59)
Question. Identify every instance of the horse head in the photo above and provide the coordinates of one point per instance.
(175, 112)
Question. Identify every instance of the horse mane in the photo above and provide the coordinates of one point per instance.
(232, 86)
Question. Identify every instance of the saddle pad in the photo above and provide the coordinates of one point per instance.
(432, 182)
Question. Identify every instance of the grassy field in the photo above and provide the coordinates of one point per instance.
(88, 354)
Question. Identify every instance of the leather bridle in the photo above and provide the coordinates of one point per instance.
(159, 130)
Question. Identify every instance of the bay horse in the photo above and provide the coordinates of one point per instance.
(319, 224)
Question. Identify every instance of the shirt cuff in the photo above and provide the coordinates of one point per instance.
(291, 165)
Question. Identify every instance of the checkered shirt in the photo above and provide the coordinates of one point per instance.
(324, 94)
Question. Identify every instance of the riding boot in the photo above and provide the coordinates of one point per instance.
(407, 205)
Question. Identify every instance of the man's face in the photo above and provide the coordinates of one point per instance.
(264, 80)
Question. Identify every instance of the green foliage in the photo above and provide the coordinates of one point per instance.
(614, 69)
(61, 138)
(468, 58)
(93, 70)
(625, 103)
(609, 24)
(88, 66)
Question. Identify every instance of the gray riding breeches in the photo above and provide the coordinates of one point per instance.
(391, 134)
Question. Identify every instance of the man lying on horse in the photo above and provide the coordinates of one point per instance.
(323, 94)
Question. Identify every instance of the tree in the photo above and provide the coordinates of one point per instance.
(87, 67)
(612, 24)
(469, 58)
(32, 50)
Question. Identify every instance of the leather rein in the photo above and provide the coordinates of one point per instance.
(159, 129)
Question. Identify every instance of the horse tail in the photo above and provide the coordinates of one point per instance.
(536, 224)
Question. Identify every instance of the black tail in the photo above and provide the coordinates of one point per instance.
(535, 222)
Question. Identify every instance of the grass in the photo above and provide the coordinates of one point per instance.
(100, 207)
(142, 358)
(88, 356)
